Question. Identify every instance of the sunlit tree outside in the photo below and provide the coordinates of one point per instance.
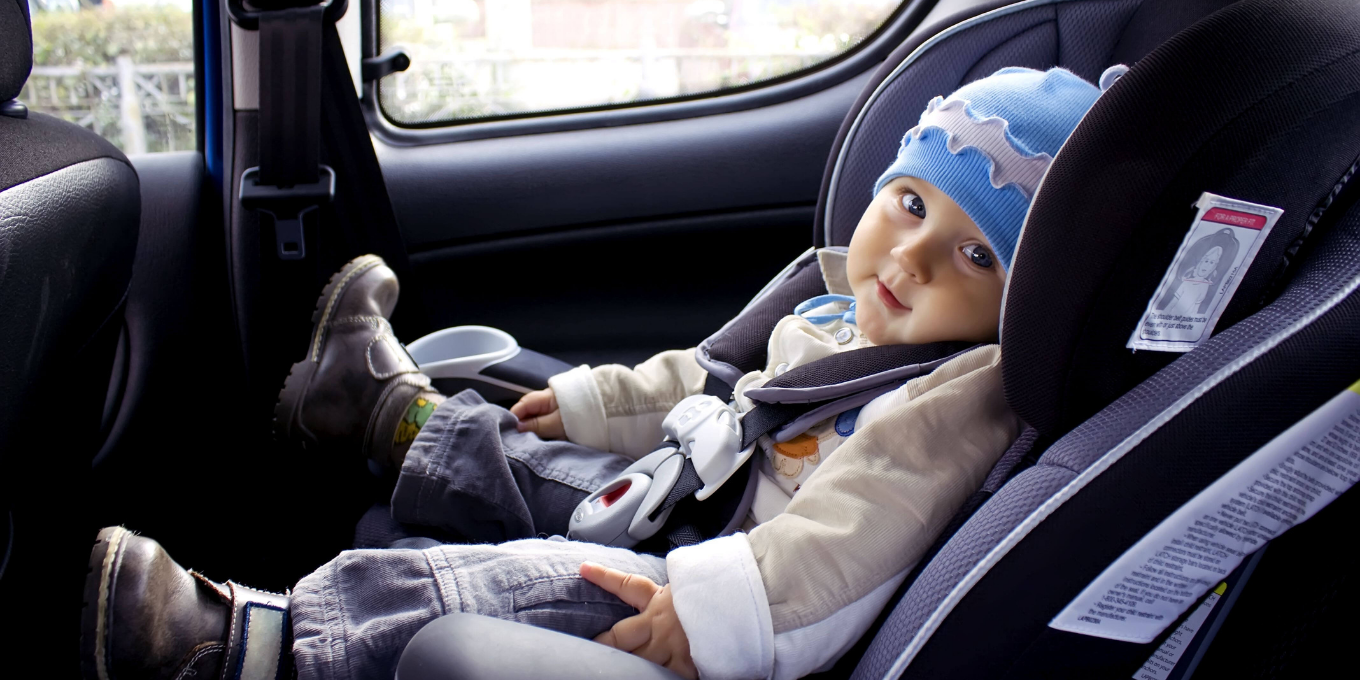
(484, 58)
(122, 68)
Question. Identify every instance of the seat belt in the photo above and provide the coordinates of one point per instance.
(362, 208)
(290, 182)
(315, 161)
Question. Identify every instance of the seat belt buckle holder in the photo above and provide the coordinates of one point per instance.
(287, 205)
(627, 510)
(709, 432)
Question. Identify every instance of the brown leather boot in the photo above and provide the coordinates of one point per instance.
(145, 617)
(357, 387)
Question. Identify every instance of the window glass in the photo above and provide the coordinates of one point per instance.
(124, 70)
(485, 58)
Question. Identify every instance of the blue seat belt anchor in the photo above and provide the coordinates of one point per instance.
(287, 205)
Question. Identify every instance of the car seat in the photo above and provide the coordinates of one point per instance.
(70, 206)
(1120, 440)
(1271, 120)
(1221, 131)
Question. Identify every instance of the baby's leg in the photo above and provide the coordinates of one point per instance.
(472, 472)
(353, 617)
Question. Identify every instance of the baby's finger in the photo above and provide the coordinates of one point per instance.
(531, 404)
(628, 634)
(547, 426)
(634, 589)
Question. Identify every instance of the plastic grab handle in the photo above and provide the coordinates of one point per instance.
(474, 646)
(528, 369)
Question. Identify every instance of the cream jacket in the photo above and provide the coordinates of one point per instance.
(794, 594)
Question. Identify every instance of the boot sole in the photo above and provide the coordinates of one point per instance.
(300, 374)
(94, 614)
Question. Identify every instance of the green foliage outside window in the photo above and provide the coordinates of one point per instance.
(96, 36)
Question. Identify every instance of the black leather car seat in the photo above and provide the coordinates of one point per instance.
(69, 210)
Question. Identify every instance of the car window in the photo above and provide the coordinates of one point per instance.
(124, 70)
(486, 59)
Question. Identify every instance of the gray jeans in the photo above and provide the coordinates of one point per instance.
(470, 473)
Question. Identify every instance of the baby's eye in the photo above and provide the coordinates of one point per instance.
(978, 255)
(914, 205)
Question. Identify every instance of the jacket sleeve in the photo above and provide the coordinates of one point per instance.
(620, 409)
(829, 563)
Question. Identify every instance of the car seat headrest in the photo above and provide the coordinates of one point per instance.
(16, 48)
(1273, 119)
(1083, 36)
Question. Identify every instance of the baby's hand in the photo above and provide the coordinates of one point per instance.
(655, 634)
(537, 413)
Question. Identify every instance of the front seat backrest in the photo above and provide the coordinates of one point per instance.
(69, 210)
(70, 205)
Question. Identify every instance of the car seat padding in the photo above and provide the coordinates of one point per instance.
(1248, 122)
(1169, 441)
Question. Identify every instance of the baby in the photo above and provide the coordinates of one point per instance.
(842, 513)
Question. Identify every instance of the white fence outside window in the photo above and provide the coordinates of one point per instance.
(138, 107)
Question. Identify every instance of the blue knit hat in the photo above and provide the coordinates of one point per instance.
(988, 145)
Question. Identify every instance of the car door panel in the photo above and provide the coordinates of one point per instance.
(622, 240)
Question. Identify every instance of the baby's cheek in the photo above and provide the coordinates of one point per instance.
(869, 322)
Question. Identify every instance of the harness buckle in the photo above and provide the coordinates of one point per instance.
(628, 509)
(709, 433)
(287, 205)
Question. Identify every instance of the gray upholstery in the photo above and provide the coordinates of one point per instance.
(472, 646)
(16, 48)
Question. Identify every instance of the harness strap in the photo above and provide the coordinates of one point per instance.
(845, 381)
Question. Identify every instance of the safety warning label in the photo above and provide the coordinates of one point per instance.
(1163, 662)
(1284, 483)
(1204, 274)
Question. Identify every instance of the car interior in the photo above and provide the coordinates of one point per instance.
(153, 303)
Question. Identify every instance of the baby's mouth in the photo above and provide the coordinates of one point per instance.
(890, 300)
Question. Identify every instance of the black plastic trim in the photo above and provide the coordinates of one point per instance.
(827, 74)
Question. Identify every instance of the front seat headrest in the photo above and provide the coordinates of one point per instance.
(1208, 111)
(16, 48)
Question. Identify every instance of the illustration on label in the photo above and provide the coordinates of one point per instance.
(1221, 243)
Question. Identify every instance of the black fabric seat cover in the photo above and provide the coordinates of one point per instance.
(70, 205)
(1257, 120)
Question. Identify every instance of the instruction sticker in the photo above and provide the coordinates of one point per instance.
(1284, 483)
(1163, 662)
(1220, 245)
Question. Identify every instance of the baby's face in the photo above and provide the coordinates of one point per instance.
(921, 270)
